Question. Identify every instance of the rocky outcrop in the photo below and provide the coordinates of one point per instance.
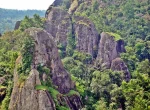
(57, 3)
(87, 37)
(46, 54)
(58, 24)
(17, 25)
(25, 96)
(119, 65)
(110, 48)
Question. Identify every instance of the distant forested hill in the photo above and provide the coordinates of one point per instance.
(9, 17)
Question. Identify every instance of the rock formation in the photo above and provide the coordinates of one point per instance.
(58, 24)
(25, 96)
(17, 25)
(87, 37)
(119, 65)
(109, 49)
(57, 3)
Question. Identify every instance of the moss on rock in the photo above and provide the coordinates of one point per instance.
(116, 36)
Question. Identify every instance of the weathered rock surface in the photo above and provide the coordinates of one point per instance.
(109, 49)
(58, 24)
(24, 96)
(57, 2)
(119, 65)
(46, 54)
(17, 25)
(87, 37)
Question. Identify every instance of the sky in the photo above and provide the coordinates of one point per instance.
(25, 4)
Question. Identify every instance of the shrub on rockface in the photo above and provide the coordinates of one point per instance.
(24, 67)
(5, 102)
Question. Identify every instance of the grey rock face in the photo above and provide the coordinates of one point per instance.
(109, 49)
(119, 65)
(17, 25)
(25, 97)
(58, 24)
(46, 54)
(87, 37)
(57, 2)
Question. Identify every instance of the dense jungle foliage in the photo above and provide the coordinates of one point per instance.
(99, 89)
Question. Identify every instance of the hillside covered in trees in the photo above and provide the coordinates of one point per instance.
(8, 17)
(85, 54)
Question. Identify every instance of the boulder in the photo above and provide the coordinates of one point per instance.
(87, 37)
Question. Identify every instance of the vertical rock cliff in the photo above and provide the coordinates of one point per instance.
(25, 95)
(110, 47)
(87, 37)
(58, 24)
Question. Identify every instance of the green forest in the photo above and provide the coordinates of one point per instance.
(99, 88)
(8, 17)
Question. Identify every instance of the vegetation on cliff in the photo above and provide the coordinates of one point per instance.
(99, 88)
